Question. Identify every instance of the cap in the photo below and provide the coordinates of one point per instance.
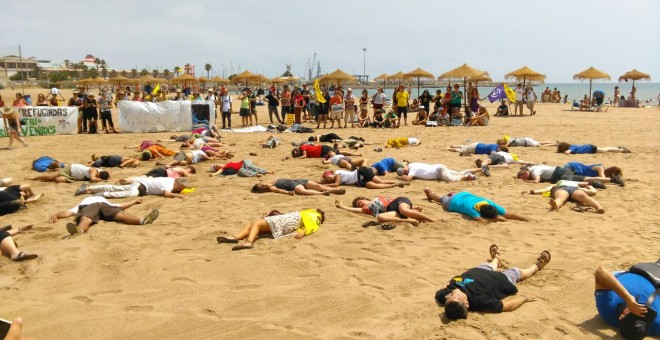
(635, 327)
(75, 91)
(399, 171)
(328, 173)
(349, 89)
(209, 90)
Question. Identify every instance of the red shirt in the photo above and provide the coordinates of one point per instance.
(313, 151)
(233, 165)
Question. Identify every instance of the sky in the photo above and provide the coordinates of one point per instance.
(557, 38)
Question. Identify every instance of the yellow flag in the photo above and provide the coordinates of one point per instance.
(155, 90)
(319, 94)
(510, 93)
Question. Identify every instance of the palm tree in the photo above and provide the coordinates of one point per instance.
(166, 74)
(113, 73)
(97, 61)
(177, 69)
(66, 62)
(124, 73)
(154, 73)
(144, 72)
(208, 68)
(134, 73)
(104, 72)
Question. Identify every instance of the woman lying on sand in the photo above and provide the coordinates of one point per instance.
(572, 149)
(112, 161)
(295, 186)
(302, 222)
(14, 197)
(343, 161)
(564, 191)
(477, 208)
(523, 141)
(385, 209)
(9, 248)
(361, 177)
(243, 168)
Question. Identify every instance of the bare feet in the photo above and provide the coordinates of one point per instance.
(554, 204)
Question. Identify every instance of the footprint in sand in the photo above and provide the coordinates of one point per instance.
(245, 287)
(184, 280)
(82, 299)
(139, 308)
(113, 291)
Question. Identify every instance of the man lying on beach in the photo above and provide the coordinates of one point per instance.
(572, 149)
(187, 158)
(244, 168)
(552, 174)
(14, 197)
(386, 165)
(434, 172)
(499, 159)
(303, 223)
(343, 161)
(137, 186)
(474, 148)
(315, 151)
(295, 186)
(484, 288)
(564, 191)
(361, 177)
(614, 173)
(523, 141)
(385, 209)
(401, 142)
(172, 172)
(72, 173)
(477, 208)
(9, 248)
(112, 161)
(92, 209)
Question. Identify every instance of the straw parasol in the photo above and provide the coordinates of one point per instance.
(634, 75)
(382, 77)
(219, 80)
(482, 77)
(147, 80)
(591, 74)
(118, 80)
(337, 76)
(464, 71)
(246, 76)
(183, 79)
(399, 76)
(418, 73)
(85, 81)
(525, 73)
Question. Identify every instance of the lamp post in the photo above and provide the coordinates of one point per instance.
(364, 64)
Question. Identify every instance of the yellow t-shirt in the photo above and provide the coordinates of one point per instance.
(402, 98)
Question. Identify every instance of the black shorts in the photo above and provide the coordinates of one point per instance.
(12, 192)
(244, 112)
(455, 105)
(3, 235)
(158, 172)
(496, 159)
(394, 205)
(365, 175)
(98, 211)
(106, 115)
(91, 114)
(402, 110)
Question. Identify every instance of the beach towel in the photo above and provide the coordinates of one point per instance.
(257, 128)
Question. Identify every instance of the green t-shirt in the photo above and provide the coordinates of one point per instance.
(245, 102)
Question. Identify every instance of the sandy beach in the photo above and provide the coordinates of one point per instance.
(171, 280)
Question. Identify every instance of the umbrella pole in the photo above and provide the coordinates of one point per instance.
(465, 98)
(418, 87)
(590, 92)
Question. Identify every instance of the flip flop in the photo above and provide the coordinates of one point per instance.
(370, 224)
(153, 215)
(72, 228)
(22, 229)
(543, 259)
(22, 256)
(387, 226)
(246, 245)
(222, 239)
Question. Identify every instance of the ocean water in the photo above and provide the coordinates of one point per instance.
(575, 91)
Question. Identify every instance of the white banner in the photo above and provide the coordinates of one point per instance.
(46, 120)
(164, 116)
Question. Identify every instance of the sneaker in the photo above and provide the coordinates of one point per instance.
(618, 181)
(72, 228)
(598, 185)
(470, 177)
(153, 215)
(82, 190)
(625, 149)
(485, 170)
(464, 153)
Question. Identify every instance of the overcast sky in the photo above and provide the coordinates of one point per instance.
(558, 38)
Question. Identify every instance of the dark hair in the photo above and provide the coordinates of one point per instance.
(504, 148)
(322, 214)
(192, 169)
(613, 171)
(455, 310)
(488, 211)
(563, 146)
(257, 189)
(297, 152)
(359, 198)
(311, 139)
(104, 175)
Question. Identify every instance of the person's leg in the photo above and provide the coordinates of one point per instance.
(84, 223)
(250, 232)
(559, 199)
(582, 197)
(602, 149)
(247, 164)
(45, 177)
(115, 191)
(432, 196)
(301, 190)
(18, 138)
(316, 186)
(5, 181)
(408, 211)
(127, 218)
(8, 247)
(132, 162)
(380, 180)
(448, 175)
(373, 185)
(541, 261)
(392, 217)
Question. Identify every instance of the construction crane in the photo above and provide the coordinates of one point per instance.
(310, 67)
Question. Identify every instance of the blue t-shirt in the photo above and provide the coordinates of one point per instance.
(485, 149)
(582, 169)
(385, 165)
(579, 149)
(608, 302)
(464, 202)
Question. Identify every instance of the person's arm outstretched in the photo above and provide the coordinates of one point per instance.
(515, 217)
(60, 215)
(339, 205)
(512, 304)
(274, 189)
(605, 280)
(130, 204)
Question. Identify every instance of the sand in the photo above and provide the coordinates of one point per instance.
(172, 280)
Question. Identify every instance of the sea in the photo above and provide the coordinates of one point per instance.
(575, 91)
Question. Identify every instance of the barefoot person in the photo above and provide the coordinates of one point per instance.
(553, 174)
(572, 149)
(72, 173)
(614, 173)
(385, 209)
(295, 186)
(564, 191)
(523, 141)
(113, 161)
(243, 168)
(172, 172)
(484, 288)
(434, 172)
(92, 209)
(303, 223)
(12, 124)
(361, 177)
(343, 161)
(8, 246)
(477, 208)
(138, 186)
(499, 159)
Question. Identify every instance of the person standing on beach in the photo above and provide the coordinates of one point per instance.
(11, 125)
(305, 110)
(520, 100)
(617, 93)
(378, 100)
(323, 109)
(253, 106)
(530, 99)
(298, 106)
(273, 103)
(402, 98)
(76, 101)
(456, 96)
(106, 115)
(349, 104)
(336, 109)
(226, 108)
(285, 99)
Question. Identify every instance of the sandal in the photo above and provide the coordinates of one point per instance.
(245, 245)
(22, 256)
(543, 259)
(222, 239)
(387, 226)
(370, 224)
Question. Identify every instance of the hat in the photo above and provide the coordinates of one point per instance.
(327, 173)
(349, 89)
(635, 327)
(209, 90)
(75, 91)
(8, 110)
(90, 95)
(399, 171)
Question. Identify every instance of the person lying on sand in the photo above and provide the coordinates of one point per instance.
(188, 157)
(386, 165)
(573, 191)
(92, 209)
(343, 161)
(572, 149)
(244, 168)
(172, 172)
(477, 208)
(184, 138)
(485, 287)
(361, 177)
(137, 186)
(401, 142)
(614, 173)
(14, 197)
(303, 223)
(474, 148)
(295, 186)
(112, 161)
(9, 248)
(315, 151)
(385, 209)
(547, 173)
(523, 141)
(72, 173)
(434, 172)
(499, 159)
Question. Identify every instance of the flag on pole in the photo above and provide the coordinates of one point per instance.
(510, 93)
(497, 94)
(155, 90)
(319, 94)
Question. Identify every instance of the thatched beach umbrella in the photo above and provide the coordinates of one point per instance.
(246, 76)
(525, 73)
(634, 75)
(464, 71)
(399, 76)
(118, 80)
(338, 76)
(591, 74)
(147, 80)
(418, 73)
(219, 80)
(382, 77)
(183, 79)
(482, 77)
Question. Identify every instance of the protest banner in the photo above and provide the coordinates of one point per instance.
(46, 120)
(164, 116)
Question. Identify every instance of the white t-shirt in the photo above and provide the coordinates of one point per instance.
(210, 98)
(347, 177)
(336, 158)
(156, 185)
(91, 200)
(543, 172)
(508, 158)
(424, 171)
(226, 103)
(79, 172)
(197, 155)
(199, 142)
(380, 98)
(54, 90)
(519, 93)
(413, 141)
